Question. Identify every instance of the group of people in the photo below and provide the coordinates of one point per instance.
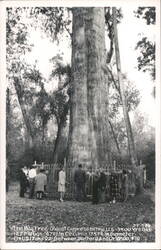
(98, 185)
(37, 183)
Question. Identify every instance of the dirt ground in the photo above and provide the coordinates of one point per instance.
(31, 220)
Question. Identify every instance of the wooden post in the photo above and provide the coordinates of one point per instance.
(144, 175)
(114, 165)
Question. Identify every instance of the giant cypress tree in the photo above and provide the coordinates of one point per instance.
(88, 136)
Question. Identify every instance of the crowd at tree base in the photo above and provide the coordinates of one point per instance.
(102, 186)
(80, 185)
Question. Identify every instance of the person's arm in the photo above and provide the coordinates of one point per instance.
(45, 183)
(45, 180)
(64, 177)
(59, 177)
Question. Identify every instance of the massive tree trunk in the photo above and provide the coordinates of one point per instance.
(88, 137)
(131, 144)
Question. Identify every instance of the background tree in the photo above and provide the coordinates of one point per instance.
(145, 142)
(116, 120)
(131, 144)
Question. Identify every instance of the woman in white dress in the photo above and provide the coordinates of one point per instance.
(61, 183)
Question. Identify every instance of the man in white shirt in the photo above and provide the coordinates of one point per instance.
(32, 175)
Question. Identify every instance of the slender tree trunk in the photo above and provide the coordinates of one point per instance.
(24, 113)
(88, 137)
(131, 144)
(43, 143)
(115, 138)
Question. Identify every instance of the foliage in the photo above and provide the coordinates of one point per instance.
(40, 110)
(146, 60)
(147, 13)
(52, 20)
(144, 135)
(17, 36)
(131, 93)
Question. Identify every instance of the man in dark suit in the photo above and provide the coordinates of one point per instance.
(80, 180)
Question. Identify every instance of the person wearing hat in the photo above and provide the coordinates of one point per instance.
(40, 183)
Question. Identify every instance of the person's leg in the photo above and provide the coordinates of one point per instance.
(84, 192)
(31, 186)
(37, 195)
(30, 191)
(79, 192)
(61, 196)
(21, 190)
(95, 194)
(40, 195)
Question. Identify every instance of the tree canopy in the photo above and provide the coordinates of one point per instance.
(146, 59)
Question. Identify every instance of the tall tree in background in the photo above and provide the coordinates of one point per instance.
(131, 145)
(17, 44)
(88, 138)
(115, 107)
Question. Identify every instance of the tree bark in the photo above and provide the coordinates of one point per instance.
(60, 147)
(88, 137)
(131, 144)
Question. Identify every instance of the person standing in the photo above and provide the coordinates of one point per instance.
(61, 183)
(32, 175)
(95, 187)
(40, 183)
(23, 182)
(102, 186)
(80, 180)
(26, 171)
